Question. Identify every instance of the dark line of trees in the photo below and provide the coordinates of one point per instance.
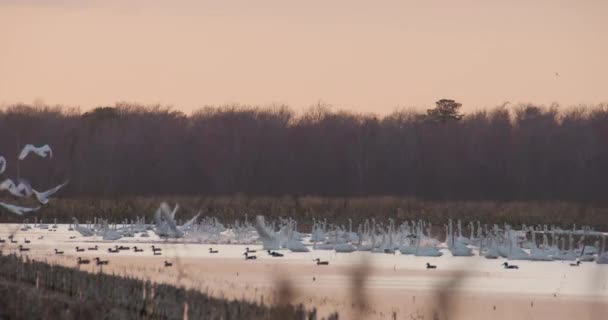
(525, 153)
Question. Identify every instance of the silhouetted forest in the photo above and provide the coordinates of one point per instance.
(523, 153)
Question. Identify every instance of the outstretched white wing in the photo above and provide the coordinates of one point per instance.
(2, 164)
(9, 185)
(170, 220)
(42, 151)
(24, 187)
(25, 151)
(17, 209)
(43, 197)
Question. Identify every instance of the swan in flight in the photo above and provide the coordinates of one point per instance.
(2, 164)
(43, 197)
(268, 237)
(17, 209)
(42, 151)
(22, 189)
(165, 225)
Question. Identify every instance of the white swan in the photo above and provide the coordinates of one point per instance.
(43, 197)
(165, 225)
(345, 247)
(2, 164)
(85, 232)
(270, 240)
(426, 247)
(109, 234)
(491, 251)
(509, 249)
(293, 243)
(537, 254)
(602, 258)
(407, 248)
(17, 209)
(457, 245)
(42, 151)
(564, 254)
(9, 185)
(22, 189)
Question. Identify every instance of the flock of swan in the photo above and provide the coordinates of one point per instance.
(535, 243)
(21, 188)
(417, 238)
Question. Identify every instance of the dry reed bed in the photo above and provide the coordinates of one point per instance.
(334, 209)
(37, 290)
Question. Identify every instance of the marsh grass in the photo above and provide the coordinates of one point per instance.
(37, 290)
(334, 209)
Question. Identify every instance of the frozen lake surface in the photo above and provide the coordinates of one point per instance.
(393, 283)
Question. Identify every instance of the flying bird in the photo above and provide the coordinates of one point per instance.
(2, 164)
(25, 187)
(22, 189)
(43, 197)
(42, 151)
(17, 209)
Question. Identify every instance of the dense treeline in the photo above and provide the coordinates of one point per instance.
(522, 153)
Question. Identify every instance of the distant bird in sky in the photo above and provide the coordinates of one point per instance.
(43, 197)
(42, 151)
(17, 209)
(2, 164)
(557, 74)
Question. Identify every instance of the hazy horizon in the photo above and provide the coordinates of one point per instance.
(355, 55)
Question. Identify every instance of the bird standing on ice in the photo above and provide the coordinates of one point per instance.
(42, 151)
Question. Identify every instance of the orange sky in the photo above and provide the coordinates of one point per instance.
(370, 56)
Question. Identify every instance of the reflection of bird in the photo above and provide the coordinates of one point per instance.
(2, 164)
(16, 209)
(557, 74)
(42, 151)
(43, 197)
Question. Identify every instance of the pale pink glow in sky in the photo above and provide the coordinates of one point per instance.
(369, 56)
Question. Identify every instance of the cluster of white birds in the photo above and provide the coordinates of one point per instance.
(21, 188)
(534, 243)
(528, 243)
(165, 226)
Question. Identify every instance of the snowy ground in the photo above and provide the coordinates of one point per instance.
(478, 288)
